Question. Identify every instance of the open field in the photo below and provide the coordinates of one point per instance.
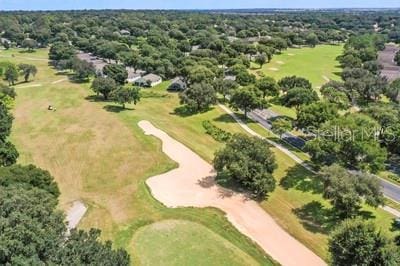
(176, 242)
(103, 158)
(99, 155)
(317, 64)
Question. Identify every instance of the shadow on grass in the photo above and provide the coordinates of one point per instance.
(301, 179)
(27, 51)
(116, 108)
(225, 118)
(96, 98)
(317, 218)
(185, 111)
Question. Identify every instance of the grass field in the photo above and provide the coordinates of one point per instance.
(104, 159)
(98, 154)
(176, 242)
(317, 64)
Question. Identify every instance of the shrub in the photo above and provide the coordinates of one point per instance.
(215, 132)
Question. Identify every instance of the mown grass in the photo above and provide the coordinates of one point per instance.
(315, 64)
(98, 154)
(175, 242)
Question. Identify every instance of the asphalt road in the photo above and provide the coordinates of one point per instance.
(390, 190)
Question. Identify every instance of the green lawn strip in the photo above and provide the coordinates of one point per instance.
(390, 176)
(393, 204)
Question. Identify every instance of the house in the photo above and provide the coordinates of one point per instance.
(125, 32)
(177, 84)
(132, 75)
(149, 80)
(230, 77)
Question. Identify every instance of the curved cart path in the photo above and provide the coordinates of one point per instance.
(192, 185)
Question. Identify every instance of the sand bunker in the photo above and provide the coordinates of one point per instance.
(280, 62)
(290, 54)
(192, 185)
(273, 69)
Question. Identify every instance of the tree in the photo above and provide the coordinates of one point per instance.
(281, 126)
(350, 140)
(267, 86)
(27, 70)
(315, 114)
(225, 86)
(244, 78)
(124, 95)
(288, 83)
(261, 59)
(335, 96)
(198, 96)
(299, 96)
(248, 161)
(356, 242)
(85, 248)
(117, 72)
(28, 175)
(11, 74)
(246, 99)
(312, 39)
(33, 230)
(200, 74)
(61, 51)
(5, 122)
(346, 190)
(83, 70)
(397, 58)
(8, 153)
(30, 44)
(104, 85)
(393, 91)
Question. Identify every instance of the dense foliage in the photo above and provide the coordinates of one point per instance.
(356, 242)
(248, 161)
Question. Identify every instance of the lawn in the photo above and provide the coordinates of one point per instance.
(176, 242)
(317, 64)
(104, 158)
(98, 154)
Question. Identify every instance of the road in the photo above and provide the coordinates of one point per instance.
(390, 190)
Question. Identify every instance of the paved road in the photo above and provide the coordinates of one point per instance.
(390, 190)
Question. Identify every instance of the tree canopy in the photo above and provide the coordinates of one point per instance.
(248, 161)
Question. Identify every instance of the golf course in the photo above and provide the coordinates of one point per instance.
(104, 159)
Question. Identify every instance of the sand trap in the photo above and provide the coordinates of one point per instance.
(192, 185)
(290, 54)
(280, 62)
(58, 81)
(273, 69)
(75, 214)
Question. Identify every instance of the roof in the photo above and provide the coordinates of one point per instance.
(152, 77)
(230, 77)
(132, 73)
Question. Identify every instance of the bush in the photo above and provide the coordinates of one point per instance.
(215, 132)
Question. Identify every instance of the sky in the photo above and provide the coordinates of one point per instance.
(191, 4)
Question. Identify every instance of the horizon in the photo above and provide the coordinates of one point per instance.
(57, 5)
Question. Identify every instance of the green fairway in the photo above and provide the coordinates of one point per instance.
(174, 242)
(98, 154)
(317, 64)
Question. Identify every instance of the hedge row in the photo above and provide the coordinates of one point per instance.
(215, 132)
